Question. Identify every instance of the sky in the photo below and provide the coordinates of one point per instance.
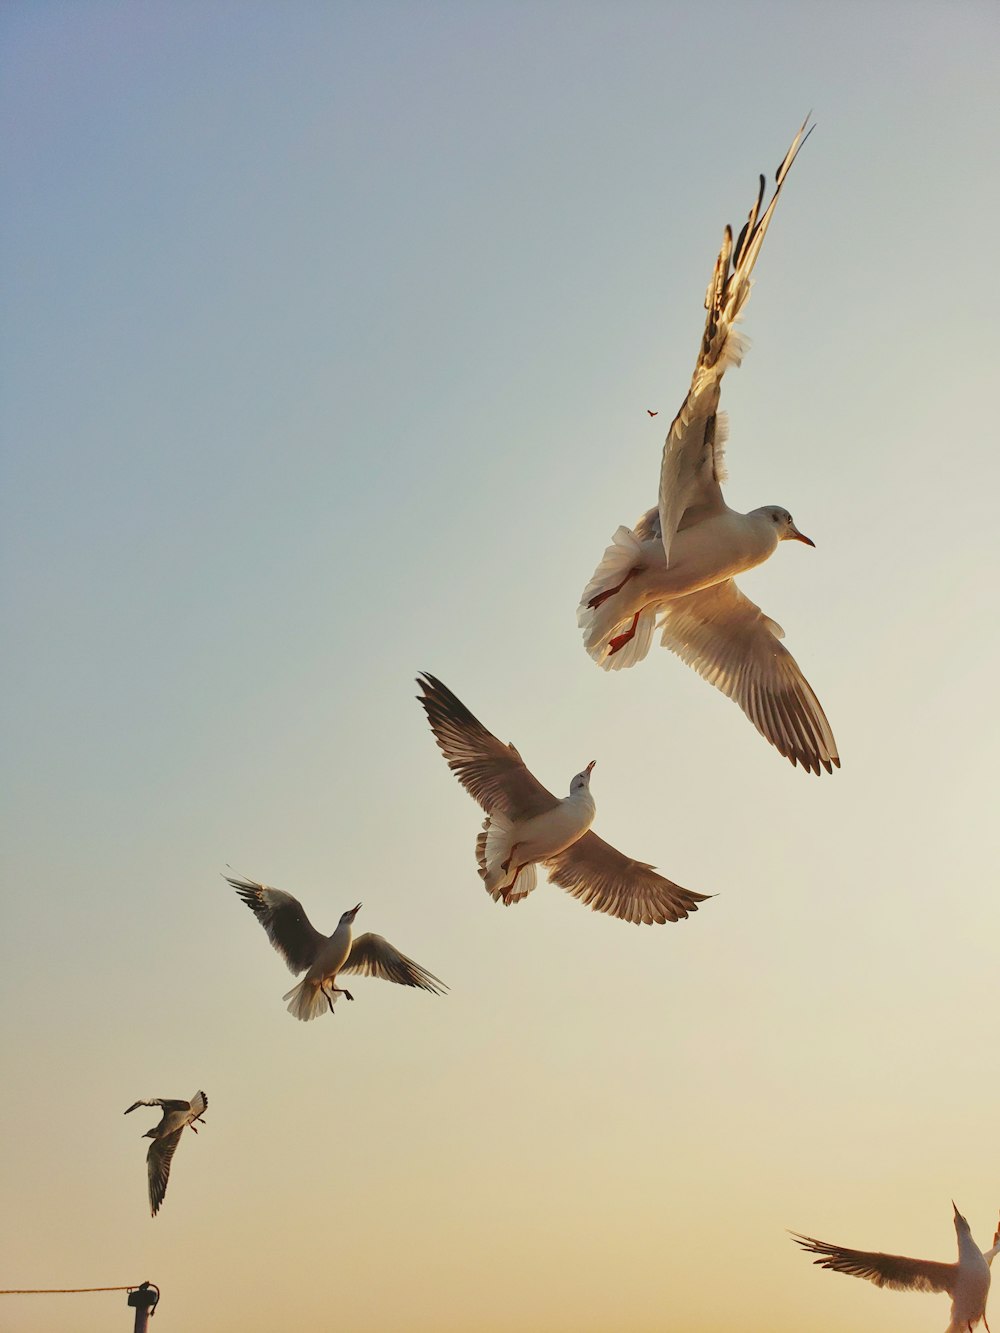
(331, 333)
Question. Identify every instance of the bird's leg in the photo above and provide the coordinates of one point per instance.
(620, 640)
(339, 990)
(595, 602)
(326, 996)
(505, 865)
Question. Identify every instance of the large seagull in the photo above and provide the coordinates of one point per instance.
(679, 561)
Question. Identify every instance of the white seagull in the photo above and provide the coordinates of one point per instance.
(303, 947)
(967, 1282)
(526, 825)
(177, 1115)
(679, 560)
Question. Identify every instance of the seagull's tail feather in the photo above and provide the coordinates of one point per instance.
(600, 623)
(308, 1000)
(493, 848)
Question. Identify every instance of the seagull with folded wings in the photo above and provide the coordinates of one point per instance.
(526, 825)
(177, 1116)
(679, 561)
(967, 1281)
(322, 957)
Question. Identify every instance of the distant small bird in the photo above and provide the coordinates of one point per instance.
(302, 946)
(166, 1136)
(967, 1282)
(651, 412)
(526, 825)
(679, 561)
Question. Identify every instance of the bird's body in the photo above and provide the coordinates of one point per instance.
(324, 957)
(536, 838)
(966, 1281)
(177, 1116)
(679, 561)
(527, 826)
(723, 545)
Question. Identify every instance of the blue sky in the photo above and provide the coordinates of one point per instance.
(331, 333)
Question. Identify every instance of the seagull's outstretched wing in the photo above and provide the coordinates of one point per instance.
(167, 1103)
(885, 1270)
(593, 871)
(373, 956)
(158, 1160)
(691, 468)
(283, 917)
(735, 647)
(492, 773)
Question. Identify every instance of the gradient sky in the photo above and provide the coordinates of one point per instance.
(330, 334)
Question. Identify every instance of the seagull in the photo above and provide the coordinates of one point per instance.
(967, 1282)
(303, 947)
(526, 825)
(177, 1115)
(679, 561)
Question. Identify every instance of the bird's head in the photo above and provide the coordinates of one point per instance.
(783, 525)
(349, 915)
(582, 780)
(960, 1223)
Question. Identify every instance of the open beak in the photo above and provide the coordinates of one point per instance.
(356, 910)
(801, 537)
(590, 766)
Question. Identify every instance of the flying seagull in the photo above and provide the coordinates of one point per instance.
(526, 825)
(303, 947)
(967, 1282)
(166, 1136)
(679, 561)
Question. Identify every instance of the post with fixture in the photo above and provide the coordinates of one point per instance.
(144, 1299)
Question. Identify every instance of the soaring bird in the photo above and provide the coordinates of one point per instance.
(679, 560)
(177, 1115)
(526, 825)
(967, 1281)
(322, 957)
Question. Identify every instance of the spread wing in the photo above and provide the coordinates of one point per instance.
(372, 956)
(593, 871)
(492, 773)
(167, 1103)
(885, 1270)
(735, 647)
(158, 1160)
(691, 468)
(282, 916)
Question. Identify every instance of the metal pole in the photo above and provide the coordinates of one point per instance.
(144, 1299)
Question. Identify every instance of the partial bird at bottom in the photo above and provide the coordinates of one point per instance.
(967, 1281)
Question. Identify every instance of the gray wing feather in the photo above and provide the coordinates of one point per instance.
(735, 647)
(593, 871)
(283, 917)
(885, 1270)
(492, 773)
(158, 1160)
(373, 956)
